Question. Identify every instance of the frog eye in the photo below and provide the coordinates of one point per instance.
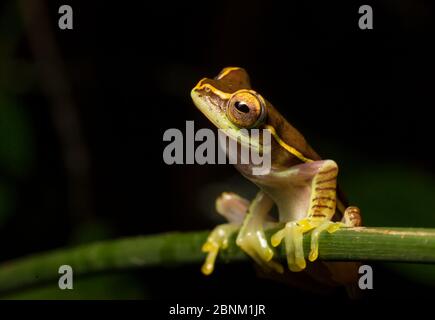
(246, 109)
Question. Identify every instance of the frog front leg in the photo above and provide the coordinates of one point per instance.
(252, 239)
(319, 209)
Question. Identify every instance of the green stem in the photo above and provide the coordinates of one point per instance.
(172, 249)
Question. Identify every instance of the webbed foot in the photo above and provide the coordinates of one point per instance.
(217, 240)
(234, 208)
(253, 241)
(292, 234)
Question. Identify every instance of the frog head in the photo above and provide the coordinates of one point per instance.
(229, 102)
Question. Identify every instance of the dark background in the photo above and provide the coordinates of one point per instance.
(83, 112)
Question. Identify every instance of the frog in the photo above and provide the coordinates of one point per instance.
(300, 184)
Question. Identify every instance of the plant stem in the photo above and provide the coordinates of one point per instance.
(172, 249)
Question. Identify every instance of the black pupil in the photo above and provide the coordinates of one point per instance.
(242, 107)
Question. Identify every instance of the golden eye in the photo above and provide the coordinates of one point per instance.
(246, 109)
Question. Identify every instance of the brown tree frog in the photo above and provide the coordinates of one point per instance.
(301, 185)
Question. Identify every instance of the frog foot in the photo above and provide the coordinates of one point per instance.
(217, 240)
(253, 241)
(293, 233)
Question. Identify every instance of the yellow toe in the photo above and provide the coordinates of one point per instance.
(314, 254)
(208, 266)
(276, 239)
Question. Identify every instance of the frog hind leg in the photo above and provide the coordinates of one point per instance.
(234, 208)
(252, 239)
(321, 208)
(352, 217)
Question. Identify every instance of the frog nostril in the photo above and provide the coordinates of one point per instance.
(241, 106)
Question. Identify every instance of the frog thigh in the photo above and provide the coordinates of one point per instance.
(232, 207)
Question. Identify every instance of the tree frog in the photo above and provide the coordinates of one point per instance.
(301, 185)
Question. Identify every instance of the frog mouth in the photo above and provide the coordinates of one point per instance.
(213, 113)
